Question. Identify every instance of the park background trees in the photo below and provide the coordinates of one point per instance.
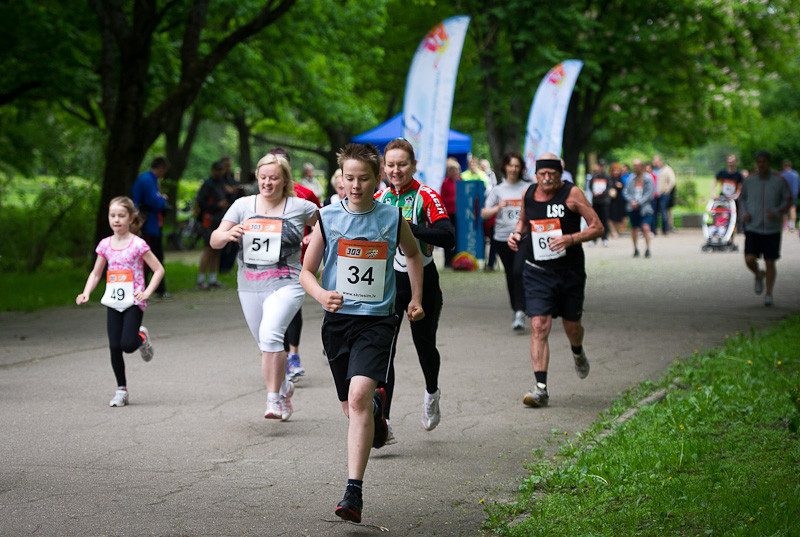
(95, 88)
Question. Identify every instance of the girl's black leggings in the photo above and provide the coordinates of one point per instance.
(123, 336)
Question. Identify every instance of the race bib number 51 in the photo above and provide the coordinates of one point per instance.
(361, 270)
(261, 244)
(119, 290)
(542, 232)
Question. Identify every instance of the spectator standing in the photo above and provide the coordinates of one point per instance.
(600, 188)
(474, 173)
(309, 180)
(665, 184)
(639, 195)
(338, 187)
(729, 184)
(793, 181)
(765, 198)
(213, 200)
(233, 190)
(617, 208)
(448, 195)
(149, 200)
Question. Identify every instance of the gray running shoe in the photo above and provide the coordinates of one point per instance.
(581, 364)
(519, 321)
(146, 348)
(538, 397)
(768, 300)
(758, 287)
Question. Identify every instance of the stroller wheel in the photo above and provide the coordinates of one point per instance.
(705, 248)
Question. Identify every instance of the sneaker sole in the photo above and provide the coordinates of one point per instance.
(345, 513)
(532, 402)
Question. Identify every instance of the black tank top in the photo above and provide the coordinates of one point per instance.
(546, 213)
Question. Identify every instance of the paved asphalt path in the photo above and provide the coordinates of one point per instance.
(193, 456)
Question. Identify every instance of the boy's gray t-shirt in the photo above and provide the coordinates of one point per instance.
(262, 265)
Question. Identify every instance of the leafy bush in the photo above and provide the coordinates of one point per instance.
(687, 194)
(55, 226)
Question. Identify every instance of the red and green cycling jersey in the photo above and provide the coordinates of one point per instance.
(420, 205)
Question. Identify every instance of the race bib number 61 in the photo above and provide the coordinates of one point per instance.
(361, 270)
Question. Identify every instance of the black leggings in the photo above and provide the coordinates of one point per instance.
(123, 336)
(603, 211)
(292, 336)
(423, 332)
(516, 293)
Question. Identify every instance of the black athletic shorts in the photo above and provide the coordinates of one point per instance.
(767, 245)
(357, 345)
(557, 293)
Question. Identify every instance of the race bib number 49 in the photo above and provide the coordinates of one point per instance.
(261, 244)
(542, 232)
(119, 290)
(361, 270)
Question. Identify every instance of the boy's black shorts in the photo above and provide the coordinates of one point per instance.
(357, 345)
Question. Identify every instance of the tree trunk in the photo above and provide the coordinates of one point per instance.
(245, 152)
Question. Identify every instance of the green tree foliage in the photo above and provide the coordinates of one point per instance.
(680, 71)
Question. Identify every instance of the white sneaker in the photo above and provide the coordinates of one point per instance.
(286, 401)
(274, 410)
(519, 321)
(146, 348)
(768, 301)
(390, 439)
(430, 411)
(120, 398)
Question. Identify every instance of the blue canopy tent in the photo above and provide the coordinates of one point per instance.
(458, 144)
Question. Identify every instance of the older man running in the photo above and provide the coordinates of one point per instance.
(548, 234)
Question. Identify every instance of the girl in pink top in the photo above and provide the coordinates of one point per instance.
(125, 294)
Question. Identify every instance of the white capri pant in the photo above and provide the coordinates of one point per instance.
(268, 313)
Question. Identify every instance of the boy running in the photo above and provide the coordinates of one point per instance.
(356, 239)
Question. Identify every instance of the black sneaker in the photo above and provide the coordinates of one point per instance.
(350, 507)
(381, 431)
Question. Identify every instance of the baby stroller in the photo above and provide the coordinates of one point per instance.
(719, 225)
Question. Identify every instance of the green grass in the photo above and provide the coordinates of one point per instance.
(718, 456)
(58, 286)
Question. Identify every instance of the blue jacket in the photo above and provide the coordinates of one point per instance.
(148, 198)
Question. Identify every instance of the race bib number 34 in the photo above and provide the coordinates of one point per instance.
(361, 270)
(119, 290)
(261, 244)
(542, 232)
